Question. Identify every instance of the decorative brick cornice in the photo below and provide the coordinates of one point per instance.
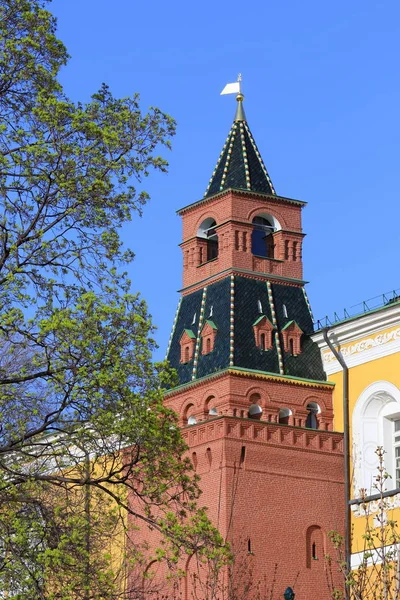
(247, 193)
(251, 374)
(271, 434)
(287, 379)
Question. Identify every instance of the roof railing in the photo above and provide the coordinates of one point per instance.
(359, 309)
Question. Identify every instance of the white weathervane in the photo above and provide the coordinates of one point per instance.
(235, 88)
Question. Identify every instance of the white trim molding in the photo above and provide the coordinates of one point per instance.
(362, 339)
(374, 556)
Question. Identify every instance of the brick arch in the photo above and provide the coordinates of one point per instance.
(319, 401)
(193, 570)
(264, 396)
(315, 546)
(152, 578)
(262, 209)
(209, 399)
(190, 400)
(207, 393)
(207, 214)
(186, 411)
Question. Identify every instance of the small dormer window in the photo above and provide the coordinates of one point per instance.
(208, 335)
(263, 333)
(187, 343)
(291, 335)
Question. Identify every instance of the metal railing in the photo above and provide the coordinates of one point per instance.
(361, 308)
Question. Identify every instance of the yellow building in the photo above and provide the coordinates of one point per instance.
(369, 348)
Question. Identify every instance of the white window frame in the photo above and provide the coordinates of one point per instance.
(373, 425)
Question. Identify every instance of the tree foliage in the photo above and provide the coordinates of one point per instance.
(81, 413)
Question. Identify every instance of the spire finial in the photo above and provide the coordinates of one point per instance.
(236, 88)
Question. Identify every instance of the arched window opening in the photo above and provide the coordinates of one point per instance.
(255, 412)
(262, 241)
(194, 460)
(235, 412)
(284, 414)
(376, 422)
(207, 231)
(188, 416)
(255, 398)
(208, 345)
(242, 454)
(187, 353)
(262, 341)
(209, 456)
(212, 245)
(249, 546)
(314, 546)
(210, 408)
(151, 577)
(291, 346)
(313, 411)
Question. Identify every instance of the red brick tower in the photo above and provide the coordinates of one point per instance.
(253, 400)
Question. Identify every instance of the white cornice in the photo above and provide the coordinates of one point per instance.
(362, 338)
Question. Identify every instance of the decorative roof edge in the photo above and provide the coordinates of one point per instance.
(260, 318)
(292, 322)
(189, 333)
(272, 197)
(242, 273)
(267, 376)
(210, 323)
(358, 326)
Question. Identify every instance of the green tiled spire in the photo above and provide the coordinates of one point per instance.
(240, 165)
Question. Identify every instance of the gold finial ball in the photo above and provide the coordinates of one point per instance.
(240, 97)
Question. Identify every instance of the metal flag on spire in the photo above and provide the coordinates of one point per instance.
(233, 88)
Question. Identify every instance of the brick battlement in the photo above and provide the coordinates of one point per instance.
(271, 434)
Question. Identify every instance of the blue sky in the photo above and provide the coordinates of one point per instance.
(322, 98)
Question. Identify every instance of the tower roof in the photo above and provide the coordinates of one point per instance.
(240, 165)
